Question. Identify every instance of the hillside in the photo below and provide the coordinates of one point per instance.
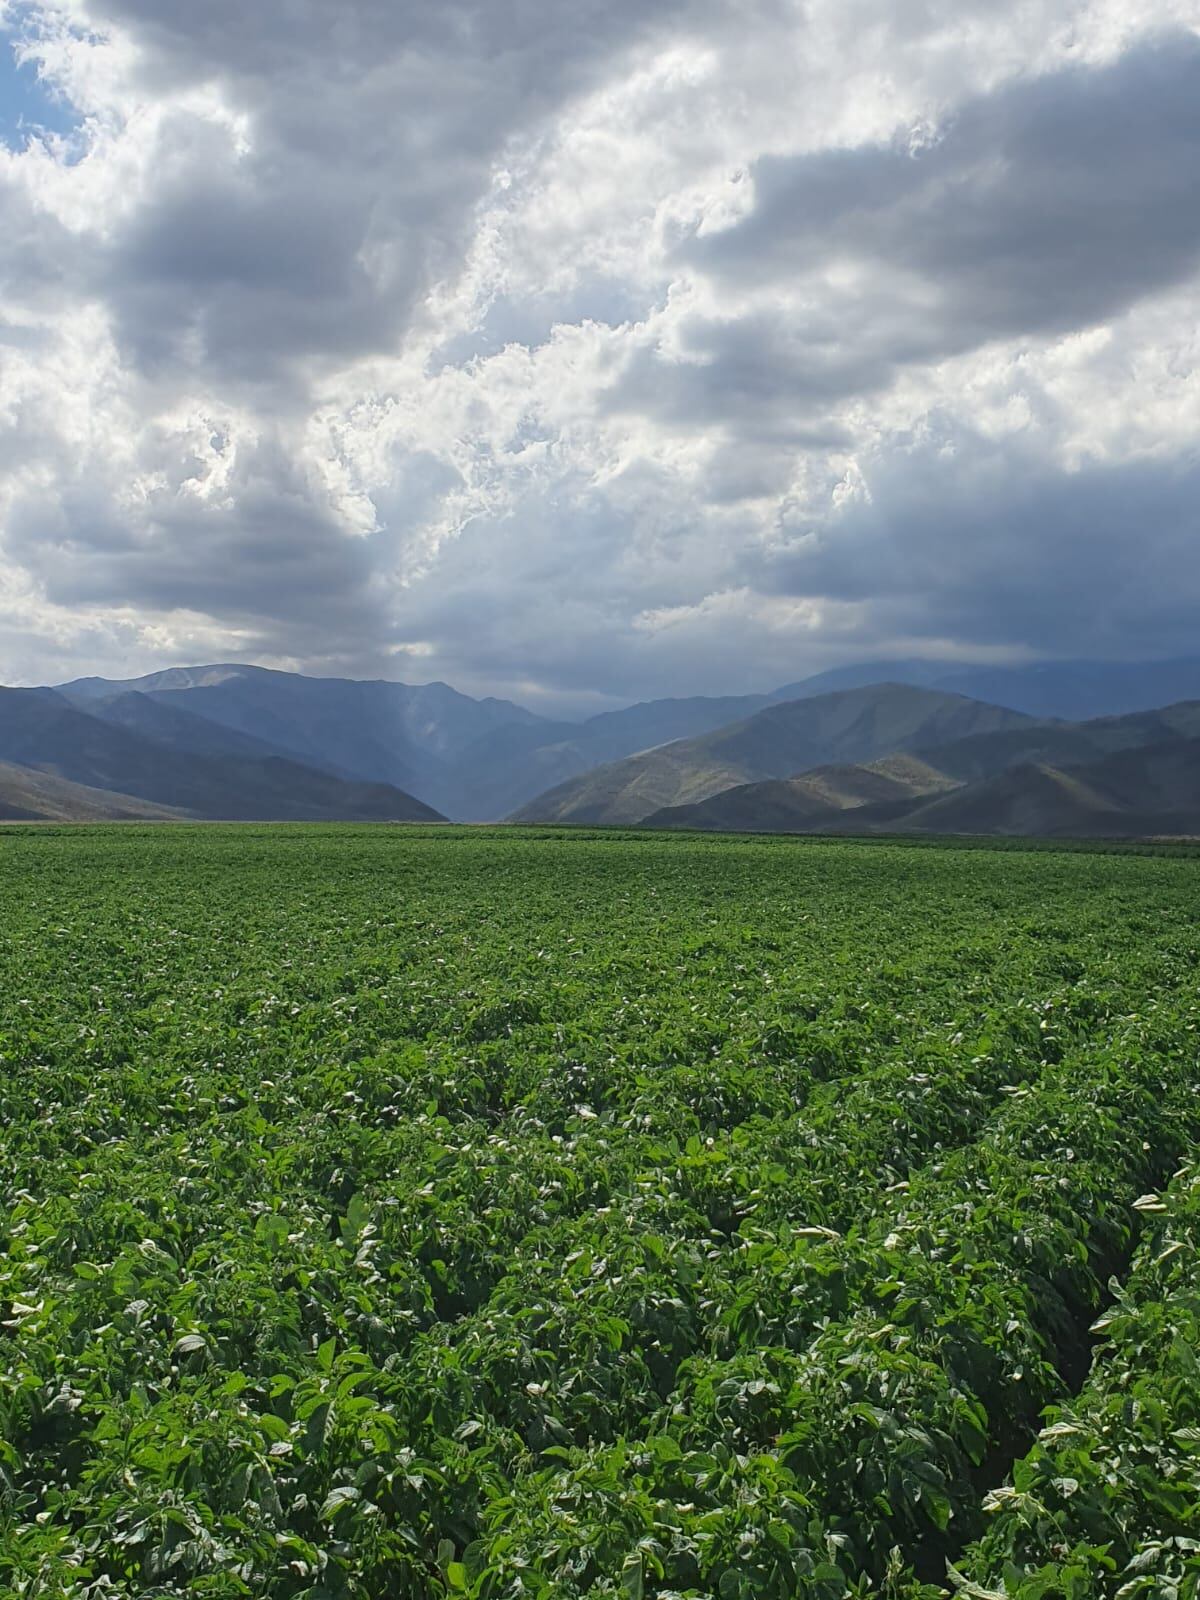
(1063, 744)
(849, 727)
(27, 795)
(1132, 792)
(157, 718)
(1029, 799)
(789, 805)
(43, 731)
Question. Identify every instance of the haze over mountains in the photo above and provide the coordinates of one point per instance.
(473, 760)
(1071, 690)
(219, 776)
(830, 753)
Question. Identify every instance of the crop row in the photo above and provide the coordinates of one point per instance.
(872, 1444)
(913, 1349)
(597, 1303)
(1107, 1503)
(421, 1215)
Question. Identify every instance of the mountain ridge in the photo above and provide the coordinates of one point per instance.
(487, 758)
(1132, 781)
(42, 731)
(848, 727)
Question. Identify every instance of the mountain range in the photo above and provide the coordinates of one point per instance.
(220, 775)
(1114, 776)
(474, 760)
(896, 746)
(850, 725)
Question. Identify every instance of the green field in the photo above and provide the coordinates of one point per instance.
(403, 1212)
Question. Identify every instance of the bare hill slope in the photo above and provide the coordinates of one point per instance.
(850, 727)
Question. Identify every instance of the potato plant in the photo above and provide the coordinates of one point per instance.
(1107, 1502)
(436, 1212)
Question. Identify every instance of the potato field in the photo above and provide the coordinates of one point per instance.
(402, 1213)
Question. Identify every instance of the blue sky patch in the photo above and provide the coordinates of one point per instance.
(28, 106)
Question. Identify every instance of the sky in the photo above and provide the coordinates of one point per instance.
(585, 351)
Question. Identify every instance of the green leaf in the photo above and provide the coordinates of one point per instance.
(633, 1576)
(343, 1495)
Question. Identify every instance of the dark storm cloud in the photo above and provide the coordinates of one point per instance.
(590, 446)
(750, 371)
(341, 41)
(245, 280)
(1044, 207)
(264, 557)
(990, 542)
(373, 131)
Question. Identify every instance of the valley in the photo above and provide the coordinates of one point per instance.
(232, 742)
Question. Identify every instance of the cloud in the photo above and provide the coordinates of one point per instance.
(598, 351)
(990, 540)
(1042, 207)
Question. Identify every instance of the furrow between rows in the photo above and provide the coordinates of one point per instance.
(881, 1434)
(1107, 1502)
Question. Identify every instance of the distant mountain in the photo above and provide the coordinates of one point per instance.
(431, 716)
(372, 731)
(850, 727)
(1074, 690)
(510, 766)
(42, 730)
(1115, 776)
(27, 795)
(1141, 793)
(473, 759)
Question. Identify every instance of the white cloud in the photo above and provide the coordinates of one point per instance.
(603, 350)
